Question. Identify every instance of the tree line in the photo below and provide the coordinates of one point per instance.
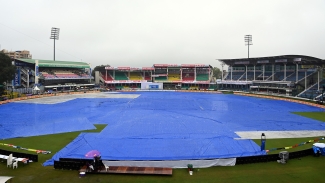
(7, 71)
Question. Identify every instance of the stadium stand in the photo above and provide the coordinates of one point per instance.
(51, 75)
(135, 76)
(161, 78)
(188, 76)
(235, 75)
(147, 76)
(202, 77)
(108, 78)
(290, 75)
(120, 75)
(174, 77)
(66, 74)
(313, 91)
(46, 75)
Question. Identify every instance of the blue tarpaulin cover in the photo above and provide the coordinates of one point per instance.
(158, 125)
(24, 119)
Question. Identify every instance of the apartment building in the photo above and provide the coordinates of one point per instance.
(17, 54)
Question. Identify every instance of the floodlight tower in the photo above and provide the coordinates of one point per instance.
(248, 41)
(55, 36)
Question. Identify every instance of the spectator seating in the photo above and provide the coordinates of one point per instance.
(108, 78)
(188, 76)
(147, 76)
(161, 78)
(65, 74)
(174, 77)
(235, 76)
(202, 77)
(250, 76)
(47, 75)
(120, 76)
(301, 75)
(135, 76)
(313, 91)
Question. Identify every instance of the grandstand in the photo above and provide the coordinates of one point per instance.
(171, 76)
(135, 76)
(291, 75)
(51, 75)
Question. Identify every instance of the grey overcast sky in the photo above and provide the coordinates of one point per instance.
(140, 33)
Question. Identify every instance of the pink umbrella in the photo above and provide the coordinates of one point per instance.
(92, 153)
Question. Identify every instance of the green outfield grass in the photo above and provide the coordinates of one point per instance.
(306, 169)
(314, 115)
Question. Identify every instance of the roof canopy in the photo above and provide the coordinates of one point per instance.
(284, 59)
(52, 63)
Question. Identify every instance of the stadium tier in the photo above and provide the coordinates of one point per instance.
(50, 75)
(174, 77)
(121, 75)
(161, 78)
(107, 77)
(147, 76)
(291, 75)
(135, 76)
(171, 76)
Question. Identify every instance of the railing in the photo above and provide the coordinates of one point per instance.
(267, 79)
(308, 76)
(24, 71)
(311, 86)
(24, 79)
(284, 79)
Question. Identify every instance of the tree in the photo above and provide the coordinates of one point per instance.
(100, 68)
(217, 73)
(7, 70)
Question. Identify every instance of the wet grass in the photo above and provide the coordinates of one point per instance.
(320, 116)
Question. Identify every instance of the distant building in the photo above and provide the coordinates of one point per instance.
(17, 54)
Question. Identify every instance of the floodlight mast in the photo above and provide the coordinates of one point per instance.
(55, 32)
(248, 41)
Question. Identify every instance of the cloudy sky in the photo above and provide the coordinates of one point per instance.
(140, 33)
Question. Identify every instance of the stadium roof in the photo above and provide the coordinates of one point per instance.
(52, 63)
(288, 59)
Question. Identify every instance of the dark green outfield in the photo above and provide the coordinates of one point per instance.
(306, 169)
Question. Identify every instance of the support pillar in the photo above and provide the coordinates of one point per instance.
(285, 72)
(263, 71)
(297, 72)
(305, 79)
(318, 80)
(254, 72)
(273, 72)
(246, 72)
(231, 73)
